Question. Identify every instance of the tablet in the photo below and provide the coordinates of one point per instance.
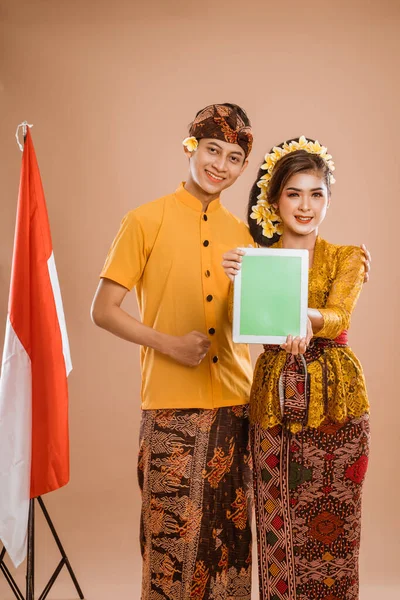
(270, 296)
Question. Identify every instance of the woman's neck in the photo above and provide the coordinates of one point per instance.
(299, 242)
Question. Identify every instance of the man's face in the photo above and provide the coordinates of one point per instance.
(215, 165)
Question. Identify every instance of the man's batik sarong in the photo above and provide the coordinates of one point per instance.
(308, 509)
(196, 480)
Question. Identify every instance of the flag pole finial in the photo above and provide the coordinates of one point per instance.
(24, 125)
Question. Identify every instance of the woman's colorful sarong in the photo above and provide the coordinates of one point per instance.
(308, 509)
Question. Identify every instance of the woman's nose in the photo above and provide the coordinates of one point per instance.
(304, 204)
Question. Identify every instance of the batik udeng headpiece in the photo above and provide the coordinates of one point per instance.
(221, 123)
(263, 212)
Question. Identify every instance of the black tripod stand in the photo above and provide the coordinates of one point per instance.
(30, 567)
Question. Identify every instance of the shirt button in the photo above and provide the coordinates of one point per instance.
(205, 217)
(205, 243)
(207, 273)
(211, 331)
(209, 298)
(215, 359)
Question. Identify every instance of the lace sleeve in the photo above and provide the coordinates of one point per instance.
(343, 294)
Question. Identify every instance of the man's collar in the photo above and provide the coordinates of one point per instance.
(184, 196)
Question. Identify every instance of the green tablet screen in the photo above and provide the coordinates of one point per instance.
(270, 295)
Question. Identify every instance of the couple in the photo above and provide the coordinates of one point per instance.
(306, 450)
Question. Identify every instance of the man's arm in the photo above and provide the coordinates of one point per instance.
(106, 312)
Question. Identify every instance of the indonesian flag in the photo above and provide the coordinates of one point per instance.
(34, 447)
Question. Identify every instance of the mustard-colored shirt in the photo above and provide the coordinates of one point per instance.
(171, 251)
(335, 282)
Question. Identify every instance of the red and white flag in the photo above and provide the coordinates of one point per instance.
(34, 445)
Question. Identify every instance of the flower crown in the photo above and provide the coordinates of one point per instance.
(263, 212)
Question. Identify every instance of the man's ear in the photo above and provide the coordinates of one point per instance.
(187, 152)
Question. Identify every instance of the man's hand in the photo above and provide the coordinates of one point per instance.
(189, 349)
(367, 262)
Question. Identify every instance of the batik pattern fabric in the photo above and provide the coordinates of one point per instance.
(308, 488)
(224, 123)
(195, 475)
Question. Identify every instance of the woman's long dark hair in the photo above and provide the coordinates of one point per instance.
(299, 161)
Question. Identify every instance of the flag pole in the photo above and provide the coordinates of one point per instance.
(30, 562)
(30, 567)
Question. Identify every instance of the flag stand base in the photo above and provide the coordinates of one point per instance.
(30, 566)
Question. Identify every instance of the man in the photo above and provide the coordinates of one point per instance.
(194, 463)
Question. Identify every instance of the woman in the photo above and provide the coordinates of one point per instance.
(308, 406)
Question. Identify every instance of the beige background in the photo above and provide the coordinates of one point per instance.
(110, 88)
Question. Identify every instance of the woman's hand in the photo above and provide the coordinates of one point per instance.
(231, 262)
(298, 345)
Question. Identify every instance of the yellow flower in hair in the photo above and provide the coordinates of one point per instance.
(266, 177)
(258, 213)
(294, 146)
(274, 217)
(271, 160)
(191, 143)
(268, 228)
(315, 147)
(302, 143)
(263, 184)
(278, 151)
(279, 228)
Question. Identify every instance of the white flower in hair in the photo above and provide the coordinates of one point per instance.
(191, 143)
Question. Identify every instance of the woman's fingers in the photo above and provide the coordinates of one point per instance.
(302, 346)
(295, 345)
(288, 344)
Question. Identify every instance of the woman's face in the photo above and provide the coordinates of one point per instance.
(303, 203)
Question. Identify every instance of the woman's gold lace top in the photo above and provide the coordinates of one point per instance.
(335, 282)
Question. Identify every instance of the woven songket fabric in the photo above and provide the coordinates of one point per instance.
(196, 480)
(222, 123)
(308, 509)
